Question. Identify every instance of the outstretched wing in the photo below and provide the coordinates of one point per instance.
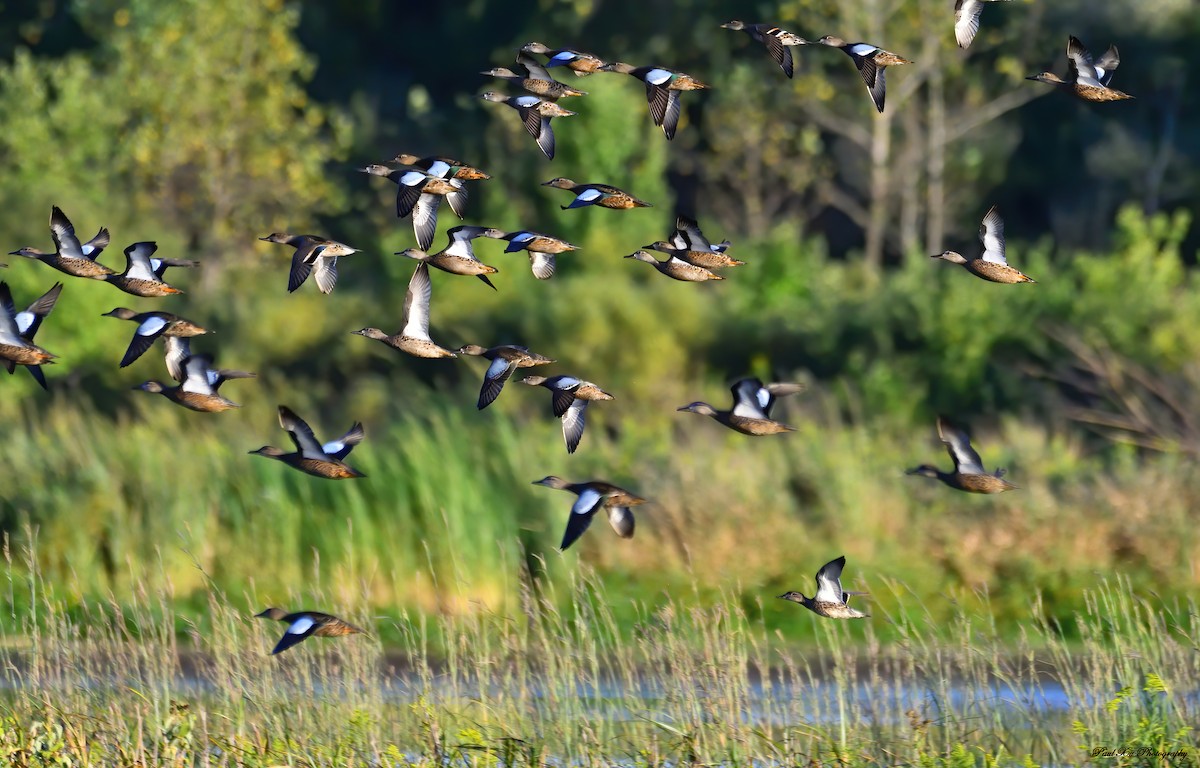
(991, 233)
(829, 581)
(573, 422)
(966, 460)
(582, 512)
(493, 381)
(302, 435)
(751, 400)
(416, 304)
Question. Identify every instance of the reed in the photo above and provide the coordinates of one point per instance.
(698, 681)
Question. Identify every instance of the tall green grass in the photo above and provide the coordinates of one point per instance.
(699, 681)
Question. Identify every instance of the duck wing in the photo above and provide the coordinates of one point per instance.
(966, 460)
(778, 51)
(688, 236)
(1106, 65)
(137, 261)
(573, 422)
(30, 320)
(991, 234)
(493, 381)
(325, 273)
(424, 216)
(302, 435)
(582, 512)
(536, 71)
(966, 21)
(92, 248)
(63, 232)
(621, 520)
(751, 400)
(408, 191)
(178, 350)
(670, 119)
(195, 375)
(829, 581)
(143, 337)
(563, 394)
(9, 332)
(416, 304)
(340, 448)
(302, 627)
(301, 266)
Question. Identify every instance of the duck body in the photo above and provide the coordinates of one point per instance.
(311, 456)
(151, 326)
(312, 254)
(580, 63)
(198, 390)
(441, 166)
(420, 194)
(17, 330)
(458, 257)
(536, 114)
(537, 80)
(1086, 78)
(413, 338)
(676, 268)
(777, 41)
(305, 624)
(593, 496)
(603, 195)
(70, 256)
(870, 61)
(991, 264)
(968, 475)
(505, 359)
(831, 601)
(143, 274)
(541, 248)
(569, 399)
(707, 259)
(662, 91)
(752, 405)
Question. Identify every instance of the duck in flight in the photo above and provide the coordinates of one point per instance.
(593, 496)
(1086, 78)
(991, 264)
(969, 474)
(71, 256)
(752, 403)
(413, 337)
(305, 624)
(311, 456)
(831, 601)
(777, 41)
(871, 62)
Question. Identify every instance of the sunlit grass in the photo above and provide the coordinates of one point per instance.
(696, 682)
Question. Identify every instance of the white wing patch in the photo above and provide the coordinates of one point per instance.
(527, 101)
(588, 195)
(586, 503)
(862, 49)
(151, 327)
(300, 626)
(498, 366)
(412, 178)
(24, 320)
(658, 76)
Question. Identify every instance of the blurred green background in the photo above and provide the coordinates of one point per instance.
(205, 125)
